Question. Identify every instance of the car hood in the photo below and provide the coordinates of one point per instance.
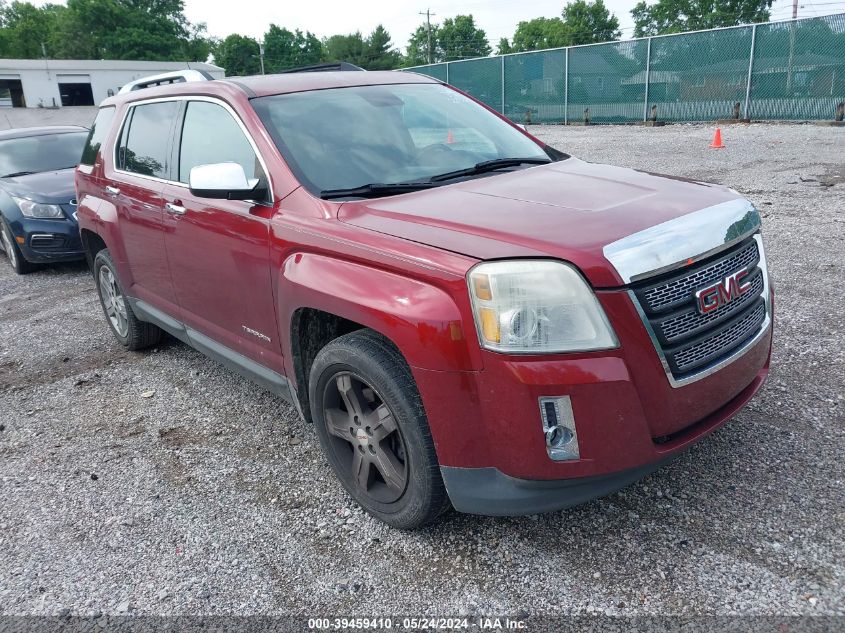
(51, 187)
(569, 210)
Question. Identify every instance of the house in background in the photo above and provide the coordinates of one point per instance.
(53, 83)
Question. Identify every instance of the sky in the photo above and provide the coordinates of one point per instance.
(498, 18)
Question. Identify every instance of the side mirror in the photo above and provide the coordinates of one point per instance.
(225, 181)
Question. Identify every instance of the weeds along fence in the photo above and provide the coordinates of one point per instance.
(792, 70)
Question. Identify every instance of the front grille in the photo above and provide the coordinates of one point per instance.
(688, 340)
(667, 294)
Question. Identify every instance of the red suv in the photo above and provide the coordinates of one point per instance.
(467, 315)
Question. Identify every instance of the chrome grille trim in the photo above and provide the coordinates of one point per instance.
(739, 352)
(664, 296)
(691, 321)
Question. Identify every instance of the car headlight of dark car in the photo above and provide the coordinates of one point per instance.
(39, 210)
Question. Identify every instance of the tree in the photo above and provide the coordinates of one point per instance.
(372, 53)
(504, 47)
(459, 38)
(26, 28)
(677, 16)
(103, 29)
(419, 52)
(285, 49)
(238, 55)
(589, 22)
(540, 33)
(380, 51)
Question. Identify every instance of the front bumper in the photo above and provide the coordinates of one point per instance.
(488, 431)
(488, 491)
(48, 241)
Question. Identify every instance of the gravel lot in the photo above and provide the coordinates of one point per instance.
(210, 496)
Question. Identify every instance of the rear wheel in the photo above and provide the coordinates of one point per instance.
(373, 429)
(13, 252)
(130, 332)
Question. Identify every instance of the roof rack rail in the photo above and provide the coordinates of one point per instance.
(165, 79)
(322, 68)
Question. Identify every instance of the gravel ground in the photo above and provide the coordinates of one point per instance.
(210, 496)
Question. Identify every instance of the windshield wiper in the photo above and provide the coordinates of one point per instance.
(18, 173)
(375, 189)
(489, 165)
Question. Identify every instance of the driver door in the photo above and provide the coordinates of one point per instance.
(218, 250)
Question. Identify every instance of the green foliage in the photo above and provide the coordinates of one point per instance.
(678, 16)
(504, 47)
(418, 46)
(102, 29)
(540, 33)
(285, 49)
(589, 22)
(582, 22)
(460, 38)
(372, 53)
(238, 54)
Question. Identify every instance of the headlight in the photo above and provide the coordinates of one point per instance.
(536, 306)
(37, 210)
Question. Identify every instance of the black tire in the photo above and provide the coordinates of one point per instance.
(372, 360)
(13, 252)
(134, 334)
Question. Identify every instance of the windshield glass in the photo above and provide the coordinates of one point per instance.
(349, 137)
(47, 152)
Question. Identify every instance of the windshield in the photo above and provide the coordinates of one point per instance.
(46, 152)
(344, 138)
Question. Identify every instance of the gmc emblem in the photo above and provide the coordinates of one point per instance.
(722, 292)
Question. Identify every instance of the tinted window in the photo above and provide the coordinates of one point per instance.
(44, 152)
(97, 135)
(144, 142)
(227, 143)
(348, 137)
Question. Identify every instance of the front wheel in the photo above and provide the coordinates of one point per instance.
(130, 331)
(13, 252)
(373, 428)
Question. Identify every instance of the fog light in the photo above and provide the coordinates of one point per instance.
(559, 428)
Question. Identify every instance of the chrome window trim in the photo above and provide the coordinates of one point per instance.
(672, 244)
(189, 98)
(737, 354)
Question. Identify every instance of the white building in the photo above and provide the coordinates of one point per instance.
(52, 83)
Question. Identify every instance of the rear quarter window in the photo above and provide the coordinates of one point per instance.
(98, 133)
(145, 141)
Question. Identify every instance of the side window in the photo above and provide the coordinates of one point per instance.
(211, 135)
(101, 127)
(144, 142)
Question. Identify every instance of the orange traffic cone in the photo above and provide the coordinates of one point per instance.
(450, 138)
(717, 140)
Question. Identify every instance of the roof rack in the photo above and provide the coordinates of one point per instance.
(165, 79)
(322, 68)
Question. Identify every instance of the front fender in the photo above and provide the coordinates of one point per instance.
(421, 319)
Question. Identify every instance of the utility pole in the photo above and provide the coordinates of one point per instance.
(261, 55)
(428, 15)
(794, 9)
(789, 88)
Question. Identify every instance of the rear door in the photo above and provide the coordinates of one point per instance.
(141, 169)
(219, 250)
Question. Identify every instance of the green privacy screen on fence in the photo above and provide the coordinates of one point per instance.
(783, 70)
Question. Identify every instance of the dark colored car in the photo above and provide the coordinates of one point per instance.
(37, 199)
(466, 314)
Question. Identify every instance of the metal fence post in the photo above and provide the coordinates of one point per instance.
(447, 72)
(647, 79)
(566, 89)
(503, 83)
(750, 68)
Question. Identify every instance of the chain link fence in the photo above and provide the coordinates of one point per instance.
(792, 70)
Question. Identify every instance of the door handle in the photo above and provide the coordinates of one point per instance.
(175, 209)
(112, 191)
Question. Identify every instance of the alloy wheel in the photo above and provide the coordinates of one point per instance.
(113, 301)
(365, 437)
